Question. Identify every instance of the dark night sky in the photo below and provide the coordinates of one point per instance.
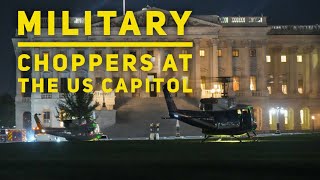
(278, 11)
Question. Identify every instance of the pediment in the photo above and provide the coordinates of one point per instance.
(141, 20)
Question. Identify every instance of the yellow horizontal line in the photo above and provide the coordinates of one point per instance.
(103, 44)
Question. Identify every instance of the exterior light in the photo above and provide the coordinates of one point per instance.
(313, 117)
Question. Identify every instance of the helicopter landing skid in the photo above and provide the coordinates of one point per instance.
(254, 137)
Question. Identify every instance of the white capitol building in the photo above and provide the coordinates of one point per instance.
(274, 68)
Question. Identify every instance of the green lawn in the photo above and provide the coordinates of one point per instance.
(289, 157)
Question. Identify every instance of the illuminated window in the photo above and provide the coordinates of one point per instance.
(186, 79)
(299, 59)
(236, 83)
(253, 53)
(300, 86)
(235, 53)
(271, 116)
(203, 83)
(202, 53)
(219, 52)
(286, 119)
(253, 83)
(184, 51)
(284, 87)
(301, 116)
(268, 59)
(283, 58)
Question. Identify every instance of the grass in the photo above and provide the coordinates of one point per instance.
(284, 156)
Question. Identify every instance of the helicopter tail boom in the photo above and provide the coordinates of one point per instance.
(172, 108)
(38, 122)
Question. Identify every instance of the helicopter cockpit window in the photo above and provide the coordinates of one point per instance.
(232, 115)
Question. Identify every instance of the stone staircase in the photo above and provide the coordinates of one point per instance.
(134, 116)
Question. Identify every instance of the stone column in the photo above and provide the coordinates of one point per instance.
(307, 73)
(293, 77)
(126, 75)
(228, 70)
(105, 53)
(229, 65)
(213, 62)
(69, 54)
(18, 73)
(245, 75)
(196, 71)
(276, 63)
(265, 119)
(261, 79)
(315, 73)
(160, 60)
(178, 75)
(142, 75)
(91, 75)
(297, 119)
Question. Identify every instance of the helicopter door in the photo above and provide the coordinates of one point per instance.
(246, 116)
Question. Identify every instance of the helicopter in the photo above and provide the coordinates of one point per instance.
(217, 116)
(74, 130)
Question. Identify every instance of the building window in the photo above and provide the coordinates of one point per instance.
(302, 117)
(219, 52)
(283, 58)
(270, 117)
(300, 86)
(253, 83)
(81, 52)
(299, 59)
(133, 52)
(253, 53)
(45, 86)
(115, 51)
(63, 85)
(235, 53)
(286, 119)
(284, 87)
(98, 52)
(268, 59)
(202, 53)
(151, 52)
(46, 118)
(236, 84)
